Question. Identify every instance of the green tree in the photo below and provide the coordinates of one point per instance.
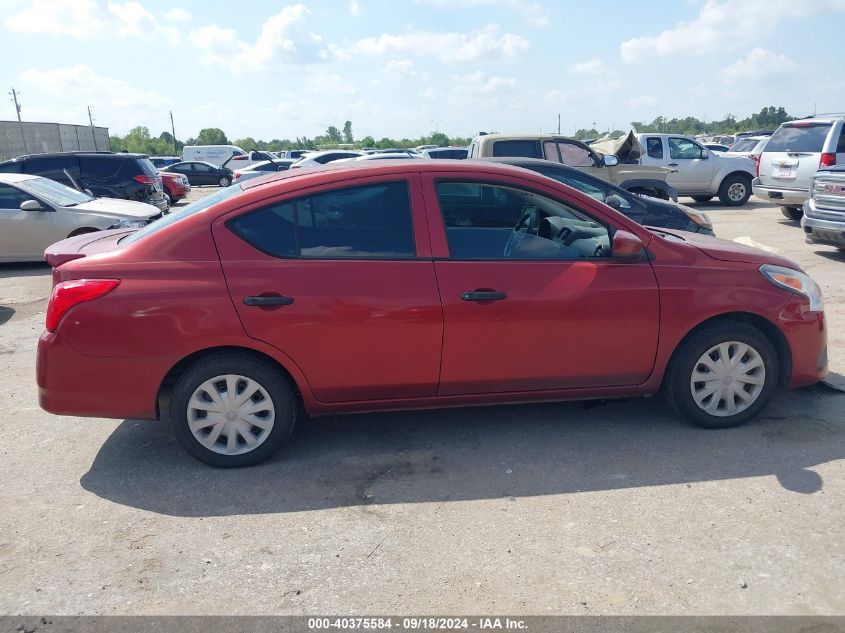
(212, 136)
(247, 143)
(333, 134)
(439, 139)
(347, 133)
(368, 141)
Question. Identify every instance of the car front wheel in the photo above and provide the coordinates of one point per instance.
(230, 410)
(735, 190)
(722, 376)
(224, 182)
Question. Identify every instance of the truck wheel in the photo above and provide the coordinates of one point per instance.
(722, 376)
(793, 213)
(735, 190)
(702, 198)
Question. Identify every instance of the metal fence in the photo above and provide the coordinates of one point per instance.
(38, 138)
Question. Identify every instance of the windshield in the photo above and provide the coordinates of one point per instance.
(181, 214)
(55, 193)
(798, 138)
(744, 145)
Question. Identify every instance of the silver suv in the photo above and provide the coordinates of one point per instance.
(791, 157)
(824, 212)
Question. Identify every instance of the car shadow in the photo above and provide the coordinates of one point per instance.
(837, 255)
(474, 453)
(31, 269)
(6, 313)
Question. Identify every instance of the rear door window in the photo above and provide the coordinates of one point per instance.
(798, 138)
(53, 167)
(367, 222)
(99, 167)
(526, 149)
(654, 147)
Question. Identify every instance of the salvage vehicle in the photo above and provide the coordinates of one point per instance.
(409, 284)
(824, 211)
(649, 181)
(791, 157)
(36, 212)
(644, 210)
(176, 186)
(698, 171)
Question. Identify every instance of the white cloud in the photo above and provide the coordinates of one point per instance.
(402, 69)
(483, 45)
(643, 102)
(116, 103)
(132, 18)
(478, 83)
(721, 23)
(758, 64)
(178, 14)
(329, 84)
(590, 67)
(283, 38)
(76, 18)
(533, 12)
(355, 8)
(597, 91)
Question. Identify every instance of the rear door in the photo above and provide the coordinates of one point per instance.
(527, 308)
(341, 280)
(791, 155)
(54, 167)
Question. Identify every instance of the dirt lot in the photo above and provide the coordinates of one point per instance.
(543, 509)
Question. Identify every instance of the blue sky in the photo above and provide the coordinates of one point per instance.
(405, 67)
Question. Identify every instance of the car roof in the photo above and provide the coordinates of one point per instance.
(11, 179)
(121, 155)
(523, 137)
(328, 173)
(815, 119)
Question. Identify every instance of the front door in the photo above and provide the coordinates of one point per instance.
(336, 279)
(23, 234)
(532, 296)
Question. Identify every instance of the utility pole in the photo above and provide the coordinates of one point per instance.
(558, 122)
(173, 129)
(91, 123)
(18, 112)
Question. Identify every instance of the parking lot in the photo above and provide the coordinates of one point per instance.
(577, 508)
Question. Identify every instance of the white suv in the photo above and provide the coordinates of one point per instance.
(791, 157)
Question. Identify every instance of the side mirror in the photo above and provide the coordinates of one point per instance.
(611, 161)
(614, 201)
(705, 154)
(31, 205)
(626, 246)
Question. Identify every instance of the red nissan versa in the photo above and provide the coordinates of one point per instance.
(410, 284)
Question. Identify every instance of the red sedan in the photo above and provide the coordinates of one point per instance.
(397, 285)
(176, 186)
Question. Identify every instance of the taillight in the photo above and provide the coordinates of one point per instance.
(757, 160)
(67, 294)
(828, 159)
(147, 180)
(237, 174)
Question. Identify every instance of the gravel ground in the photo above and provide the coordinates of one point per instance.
(543, 509)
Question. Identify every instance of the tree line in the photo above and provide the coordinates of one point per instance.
(139, 139)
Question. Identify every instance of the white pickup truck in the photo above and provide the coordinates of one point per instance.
(701, 173)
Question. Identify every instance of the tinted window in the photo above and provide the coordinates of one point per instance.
(574, 155)
(373, 221)
(684, 149)
(528, 149)
(495, 222)
(654, 147)
(840, 146)
(795, 138)
(744, 145)
(11, 198)
(12, 168)
(99, 166)
(146, 166)
(52, 167)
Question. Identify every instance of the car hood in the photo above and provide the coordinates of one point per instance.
(728, 251)
(112, 207)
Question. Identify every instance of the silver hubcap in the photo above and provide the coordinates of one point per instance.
(736, 191)
(231, 414)
(727, 379)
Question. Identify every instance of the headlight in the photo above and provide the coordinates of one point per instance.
(129, 224)
(797, 282)
(701, 219)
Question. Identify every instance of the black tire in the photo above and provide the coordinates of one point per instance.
(677, 386)
(793, 213)
(169, 200)
(731, 186)
(702, 198)
(224, 181)
(260, 371)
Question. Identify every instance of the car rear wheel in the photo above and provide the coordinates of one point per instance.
(735, 190)
(793, 213)
(231, 410)
(224, 182)
(702, 198)
(722, 376)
